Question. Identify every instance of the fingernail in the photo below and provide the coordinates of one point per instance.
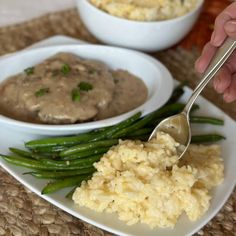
(215, 84)
(218, 86)
(213, 37)
(197, 67)
(200, 67)
(230, 27)
(227, 98)
(216, 39)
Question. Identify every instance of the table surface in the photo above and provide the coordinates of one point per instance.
(18, 11)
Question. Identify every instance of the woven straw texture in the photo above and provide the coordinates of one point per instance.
(24, 213)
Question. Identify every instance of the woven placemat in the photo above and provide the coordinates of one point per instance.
(24, 213)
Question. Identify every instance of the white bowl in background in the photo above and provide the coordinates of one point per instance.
(144, 36)
(156, 77)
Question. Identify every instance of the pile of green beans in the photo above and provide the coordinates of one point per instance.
(69, 160)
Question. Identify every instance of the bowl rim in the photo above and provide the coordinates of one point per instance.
(145, 23)
(81, 127)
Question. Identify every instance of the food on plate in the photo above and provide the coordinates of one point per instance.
(67, 161)
(146, 182)
(146, 10)
(66, 89)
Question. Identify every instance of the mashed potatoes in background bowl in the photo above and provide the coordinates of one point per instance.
(146, 10)
(143, 25)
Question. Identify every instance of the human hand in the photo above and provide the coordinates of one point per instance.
(225, 80)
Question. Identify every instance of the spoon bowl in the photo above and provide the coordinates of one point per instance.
(178, 126)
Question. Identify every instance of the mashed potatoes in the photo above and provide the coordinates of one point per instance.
(145, 182)
(146, 10)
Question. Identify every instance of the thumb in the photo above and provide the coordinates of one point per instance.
(230, 28)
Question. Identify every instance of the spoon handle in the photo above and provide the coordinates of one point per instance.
(216, 63)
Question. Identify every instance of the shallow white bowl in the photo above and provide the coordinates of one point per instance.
(144, 36)
(156, 77)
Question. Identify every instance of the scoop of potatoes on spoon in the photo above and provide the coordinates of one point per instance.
(178, 126)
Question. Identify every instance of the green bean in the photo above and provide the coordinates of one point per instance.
(176, 96)
(86, 153)
(109, 132)
(99, 130)
(52, 187)
(72, 140)
(57, 141)
(177, 93)
(142, 138)
(20, 152)
(195, 120)
(142, 131)
(27, 154)
(167, 110)
(194, 108)
(50, 149)
(206, 120)
(82, 163)
(38, 165)
(60, 174)
(206, 138)
(24, 161)
(86, 146)
(197, 139)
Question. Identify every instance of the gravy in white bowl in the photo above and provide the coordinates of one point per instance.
(66, 89)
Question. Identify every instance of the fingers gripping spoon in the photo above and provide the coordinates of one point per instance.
(178, 126)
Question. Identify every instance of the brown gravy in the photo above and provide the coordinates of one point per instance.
(66, 89)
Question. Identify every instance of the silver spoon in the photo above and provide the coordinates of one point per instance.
(178, 125)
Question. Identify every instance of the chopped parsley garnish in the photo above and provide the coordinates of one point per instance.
(85, 86)
(75, 95)
(41, 92)
(29, 71)
(65, 69)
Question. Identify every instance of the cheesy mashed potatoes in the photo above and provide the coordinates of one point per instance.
(145, 182)
(146, 10)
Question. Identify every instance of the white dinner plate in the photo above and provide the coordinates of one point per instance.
(110, 222)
